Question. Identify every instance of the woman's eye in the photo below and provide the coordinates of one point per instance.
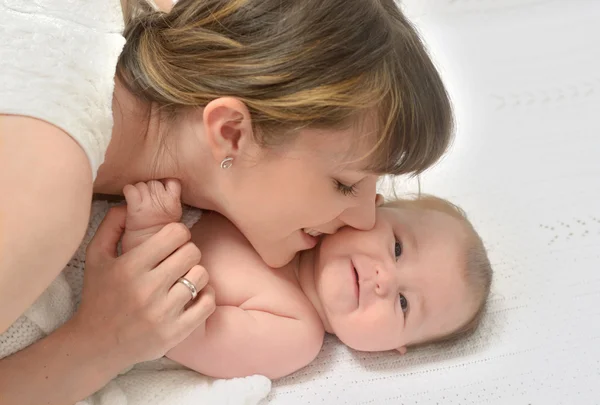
(403, 303)
(345, 189)
(398, 249)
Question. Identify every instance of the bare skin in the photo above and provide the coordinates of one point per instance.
(370, 288)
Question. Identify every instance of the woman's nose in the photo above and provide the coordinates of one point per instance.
(361, 216)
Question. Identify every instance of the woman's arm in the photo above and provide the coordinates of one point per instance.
(45, 197)
(60, 369)
(132, 310)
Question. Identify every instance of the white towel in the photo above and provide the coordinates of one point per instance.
(157, 382)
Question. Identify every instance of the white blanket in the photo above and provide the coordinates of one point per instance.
(159, 382)
(525, 76)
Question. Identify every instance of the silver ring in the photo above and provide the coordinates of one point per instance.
(190, 286)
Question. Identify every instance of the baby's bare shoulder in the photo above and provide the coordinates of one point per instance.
(304, 342)
(294, 304)
(307, 345)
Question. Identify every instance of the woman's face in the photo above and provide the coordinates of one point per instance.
(284, 198)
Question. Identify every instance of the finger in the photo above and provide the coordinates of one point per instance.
(132, 195)
(162, 244)
(199, 310)
(178, 263)
(143, 190)
(180, 295)
(173, 186)
(156, 187)
(104, 243)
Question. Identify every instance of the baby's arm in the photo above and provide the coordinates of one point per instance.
(242, 342)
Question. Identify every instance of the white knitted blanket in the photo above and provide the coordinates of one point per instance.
(160, 382)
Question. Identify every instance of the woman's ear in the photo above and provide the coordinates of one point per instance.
(402, 350)
(227, 127)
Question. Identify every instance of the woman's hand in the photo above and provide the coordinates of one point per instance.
(133, 303)
(133, 309)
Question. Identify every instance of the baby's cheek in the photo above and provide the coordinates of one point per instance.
(385, 330)
(365, 331)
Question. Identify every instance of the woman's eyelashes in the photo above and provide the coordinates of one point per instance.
(345, 189)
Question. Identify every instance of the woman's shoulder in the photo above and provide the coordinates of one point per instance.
(102, 15)
(57, 64)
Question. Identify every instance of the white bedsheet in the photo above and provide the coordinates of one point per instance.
(525, 75)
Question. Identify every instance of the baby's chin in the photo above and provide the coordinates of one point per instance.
(358, 343)
(359, 347)
(363, 343)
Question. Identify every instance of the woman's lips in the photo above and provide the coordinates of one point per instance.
(309, 240)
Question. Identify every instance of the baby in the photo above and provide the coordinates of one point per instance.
(421, 275)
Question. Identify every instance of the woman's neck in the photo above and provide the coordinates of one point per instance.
(146, 146)
(133, 144)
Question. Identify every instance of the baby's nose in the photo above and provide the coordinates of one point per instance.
(384, 283)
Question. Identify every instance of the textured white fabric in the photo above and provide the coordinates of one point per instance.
(57, 63)
(525, 75)
(160, 382)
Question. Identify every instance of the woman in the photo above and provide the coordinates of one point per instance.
(280, 115)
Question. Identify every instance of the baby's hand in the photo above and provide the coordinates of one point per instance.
(150, 206)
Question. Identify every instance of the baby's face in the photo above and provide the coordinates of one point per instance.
(399, 284)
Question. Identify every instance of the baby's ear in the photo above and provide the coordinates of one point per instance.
(379, 200)
(402, 350)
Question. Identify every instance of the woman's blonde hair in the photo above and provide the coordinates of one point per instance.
(295, 64)
(478, 270)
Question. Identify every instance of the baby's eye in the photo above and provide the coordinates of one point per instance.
(398, 249)
(403, 303)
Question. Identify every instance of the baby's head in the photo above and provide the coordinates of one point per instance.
(421, 275)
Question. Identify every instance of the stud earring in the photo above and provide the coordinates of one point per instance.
(227, 163)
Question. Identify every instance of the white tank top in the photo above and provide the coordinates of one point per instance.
(57, 63)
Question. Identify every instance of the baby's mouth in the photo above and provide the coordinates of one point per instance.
(357, 283)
